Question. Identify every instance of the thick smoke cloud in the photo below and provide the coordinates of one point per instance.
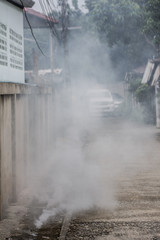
(86, 155)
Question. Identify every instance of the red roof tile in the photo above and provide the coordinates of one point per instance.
(39, 15)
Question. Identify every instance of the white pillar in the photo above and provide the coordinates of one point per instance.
(157, 91)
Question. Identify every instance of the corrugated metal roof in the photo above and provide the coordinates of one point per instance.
(156, 75)
(148, 72)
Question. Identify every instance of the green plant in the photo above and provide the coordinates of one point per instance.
(143, 93)
(134, 85)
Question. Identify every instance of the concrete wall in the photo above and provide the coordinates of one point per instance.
(25, 124)
(11, 43)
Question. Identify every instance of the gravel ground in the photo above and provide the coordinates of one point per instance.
(12, 222)
(137, 213)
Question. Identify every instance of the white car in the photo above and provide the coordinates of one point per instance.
(100, 102)
(118, 103)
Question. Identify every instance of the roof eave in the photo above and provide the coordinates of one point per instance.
(21, 3)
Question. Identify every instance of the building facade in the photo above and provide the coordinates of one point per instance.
(11, 41)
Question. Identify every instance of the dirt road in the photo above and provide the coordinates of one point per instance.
(129, 154)
(137, 215)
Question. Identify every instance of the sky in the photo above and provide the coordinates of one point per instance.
(37, 6)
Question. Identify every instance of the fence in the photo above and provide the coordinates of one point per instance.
(25, 128)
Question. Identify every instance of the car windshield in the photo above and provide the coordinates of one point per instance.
(117, 96)
(99, 94)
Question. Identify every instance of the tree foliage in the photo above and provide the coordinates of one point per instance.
(115, 20)
(75, 4)
(123, 15)
(151, 27)
(131, 25)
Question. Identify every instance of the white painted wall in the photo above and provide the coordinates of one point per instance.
(11, 43)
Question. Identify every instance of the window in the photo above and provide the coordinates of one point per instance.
(3, 45)
(16, 50)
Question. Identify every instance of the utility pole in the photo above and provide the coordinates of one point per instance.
(51, 51)
(64, 38)
(35, 65)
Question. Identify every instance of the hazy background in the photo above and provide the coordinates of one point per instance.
(37, 6)
(86, 156)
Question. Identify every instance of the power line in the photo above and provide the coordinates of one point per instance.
(48, 10)
(33, 34)
(31, 29)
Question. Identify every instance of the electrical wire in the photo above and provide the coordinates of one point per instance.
(48, 10)
(32, 29)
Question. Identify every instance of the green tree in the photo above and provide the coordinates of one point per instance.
(116, 21)
(75, 4)
(122, 20)
(119, 24)
(151, 27)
